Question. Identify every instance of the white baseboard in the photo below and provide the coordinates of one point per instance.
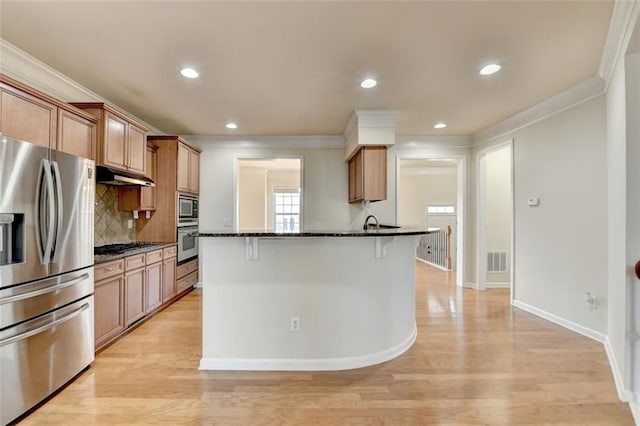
(623, 394)
(198, 285)
(433, 264)
(498, 285)
(585, 331)
(469, 284)
(316, 364)
(635, 410)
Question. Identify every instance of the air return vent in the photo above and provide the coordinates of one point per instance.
(497, 261)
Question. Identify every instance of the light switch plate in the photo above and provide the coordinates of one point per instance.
(533, 201)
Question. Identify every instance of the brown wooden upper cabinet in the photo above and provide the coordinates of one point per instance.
(188, 179)
(121, 140)
(368, 174)
(141, 198)
(32, 116)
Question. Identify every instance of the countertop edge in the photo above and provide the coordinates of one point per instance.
(311, 234)
(104, 258)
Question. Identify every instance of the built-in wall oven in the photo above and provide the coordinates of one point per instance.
(187, 243)
(187, 225)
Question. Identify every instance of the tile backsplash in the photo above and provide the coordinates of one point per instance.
(110, 223)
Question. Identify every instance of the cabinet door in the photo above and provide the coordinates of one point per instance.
(153, 287)
(168, 279)
(27, 118)
(134, 296)
(115, 142)
(148, 194)
(109, 310)
(137, 160)
(76, 135)
(183, 168)
(356, 176)
(374, 173)
(194, 171)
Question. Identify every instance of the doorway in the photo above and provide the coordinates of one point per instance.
(495, 217)
(269, 195)
(430, 194)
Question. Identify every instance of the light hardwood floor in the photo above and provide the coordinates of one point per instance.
(476, 361)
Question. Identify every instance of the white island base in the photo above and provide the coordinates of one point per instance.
(353, 299)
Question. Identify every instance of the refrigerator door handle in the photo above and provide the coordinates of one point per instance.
(60, 212)
(30, 294)
(45, 240)
(45, 327)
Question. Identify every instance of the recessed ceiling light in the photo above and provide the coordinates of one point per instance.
(189, 73)
(440, 126)
(490, 69)
(368, 83)
(231, 126)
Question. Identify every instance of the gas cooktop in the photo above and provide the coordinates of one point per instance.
(120, 248)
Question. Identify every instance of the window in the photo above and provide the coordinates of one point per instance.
(287, 210)
(441, 209)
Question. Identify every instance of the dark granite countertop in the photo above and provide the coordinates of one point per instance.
(382, 232)
(102, 258)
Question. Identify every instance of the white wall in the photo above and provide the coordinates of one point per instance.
(498, 207)
(632, 68)
(418, 188)
(617, 205)
(251, 198)
(561, 244)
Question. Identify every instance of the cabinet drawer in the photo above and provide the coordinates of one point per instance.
(169, 252)
(187, 268)
(154, 256)
(109, 269)
(186, 282)
(133, 262)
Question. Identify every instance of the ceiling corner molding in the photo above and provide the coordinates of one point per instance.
(29, 70)
(18, 64)
(376, 117)
(265, 142)
(351, 126)
(623, 18)
(575, 95)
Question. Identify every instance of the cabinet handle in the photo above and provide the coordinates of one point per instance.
(111, 268)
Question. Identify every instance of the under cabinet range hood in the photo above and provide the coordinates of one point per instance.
(110, 176)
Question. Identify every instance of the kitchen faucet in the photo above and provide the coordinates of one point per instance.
(366, 222)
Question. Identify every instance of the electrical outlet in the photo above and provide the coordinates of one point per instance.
(130, 223)
(294, 325)
(227, 222)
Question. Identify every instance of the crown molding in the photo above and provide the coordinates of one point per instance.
(265, 142)
(576, 95)
(623, 18)
(29, 70)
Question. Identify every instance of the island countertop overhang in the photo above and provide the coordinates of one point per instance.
(382, 232)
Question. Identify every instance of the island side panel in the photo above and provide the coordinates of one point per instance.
(354, 309)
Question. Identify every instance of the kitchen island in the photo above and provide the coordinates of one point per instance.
(317, 300)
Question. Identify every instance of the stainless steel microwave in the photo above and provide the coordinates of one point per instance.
(187, 210)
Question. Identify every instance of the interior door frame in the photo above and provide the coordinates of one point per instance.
(236, 195)
(481, 216)
(461, 207)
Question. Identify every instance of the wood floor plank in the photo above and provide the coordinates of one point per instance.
(476, 361)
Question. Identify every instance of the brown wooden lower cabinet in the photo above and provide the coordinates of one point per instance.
(109, 309)
(134, 296)
(153, 287)
(129, 289)
(168, 279)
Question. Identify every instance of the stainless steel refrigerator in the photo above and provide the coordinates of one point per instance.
(46, 272)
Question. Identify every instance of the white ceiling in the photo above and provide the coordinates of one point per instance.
(293, 68)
